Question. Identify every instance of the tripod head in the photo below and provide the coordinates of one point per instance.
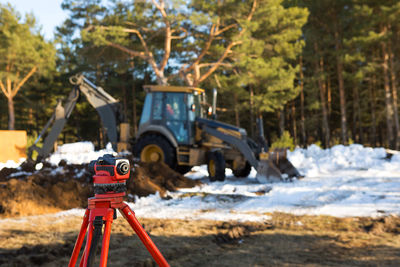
(110, 175)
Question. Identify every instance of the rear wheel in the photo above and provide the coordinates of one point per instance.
(243, 172)
(182, 169)
(216, 166)
(155, 148)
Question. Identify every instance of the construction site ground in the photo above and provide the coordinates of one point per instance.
(41, 214)
(286, 240)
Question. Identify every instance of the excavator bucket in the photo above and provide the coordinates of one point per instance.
(275, 167)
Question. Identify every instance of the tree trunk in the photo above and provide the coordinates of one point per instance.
(11, 113)
(357, 116)
(302, 119)
(325, 123)
(328, 82)
(281, 115)
(388, 96)
(251, 111)
(134, 119)
(294, 126)
(394, 94)
(236, 110)
(124, 103)
(371, 91)
(322, 93)
(382, 141)
(134, 115)
(339, 67)
(31, 120)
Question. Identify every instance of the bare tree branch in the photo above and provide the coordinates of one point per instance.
(229, 47)
(253, 9)
(168, 34)
(9, 88)
(203, 52)
(133, 53)
(179, 37)
(3, 89)
(136, 25)
(225, 29)
(204, 65)
(217, 81)
(219, 62)
(16, 89)
(139, 35)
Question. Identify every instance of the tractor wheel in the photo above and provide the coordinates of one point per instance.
(216, 166)
(242, 173)
(155, 148)
(182, 169)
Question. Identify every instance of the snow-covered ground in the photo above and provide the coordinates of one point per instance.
(341, 181)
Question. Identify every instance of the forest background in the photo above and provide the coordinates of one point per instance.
(322, 72)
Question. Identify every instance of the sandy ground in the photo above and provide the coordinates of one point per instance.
(285, 240)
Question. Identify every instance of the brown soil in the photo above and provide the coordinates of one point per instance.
(285, 240)
(68, 186)
(149, 178)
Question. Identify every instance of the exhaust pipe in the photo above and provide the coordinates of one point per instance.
(214, 104)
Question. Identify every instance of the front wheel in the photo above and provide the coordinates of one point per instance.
(216, 166)
(243, 172)
(155, 148)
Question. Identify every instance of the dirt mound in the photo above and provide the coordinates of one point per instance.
(389, 224)
(149, 178)
(48, 190)
(25, 191)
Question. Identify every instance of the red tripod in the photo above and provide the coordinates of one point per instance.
(103, 210)
(109, 186)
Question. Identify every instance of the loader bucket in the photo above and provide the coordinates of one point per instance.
(275, 167)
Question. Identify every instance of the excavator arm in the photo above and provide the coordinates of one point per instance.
(107, 107)
(269, 165)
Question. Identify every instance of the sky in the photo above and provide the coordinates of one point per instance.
(47, 12)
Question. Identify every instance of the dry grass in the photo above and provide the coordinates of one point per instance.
(286, 240)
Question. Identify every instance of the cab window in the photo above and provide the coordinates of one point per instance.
(157, 106)
(176, 115)
(146, 109)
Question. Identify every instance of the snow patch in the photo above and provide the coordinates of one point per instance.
(78, 153)
(11, 163)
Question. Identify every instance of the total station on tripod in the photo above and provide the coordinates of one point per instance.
(109, 175)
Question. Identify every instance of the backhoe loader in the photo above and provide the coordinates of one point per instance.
(173, 128)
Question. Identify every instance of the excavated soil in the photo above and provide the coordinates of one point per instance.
(25, 191)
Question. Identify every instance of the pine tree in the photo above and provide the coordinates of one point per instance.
(23, 52)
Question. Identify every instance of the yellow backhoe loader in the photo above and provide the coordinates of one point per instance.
(174, 128)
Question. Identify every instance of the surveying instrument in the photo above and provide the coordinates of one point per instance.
(110, 175)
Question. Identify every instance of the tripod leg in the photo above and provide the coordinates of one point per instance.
(106, 237)
(83, 256)
(151, 247)
(79, 240)
(88, 244)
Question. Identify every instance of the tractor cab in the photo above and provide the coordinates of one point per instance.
(172, 111)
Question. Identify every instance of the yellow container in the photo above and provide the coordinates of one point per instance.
(12, 145)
